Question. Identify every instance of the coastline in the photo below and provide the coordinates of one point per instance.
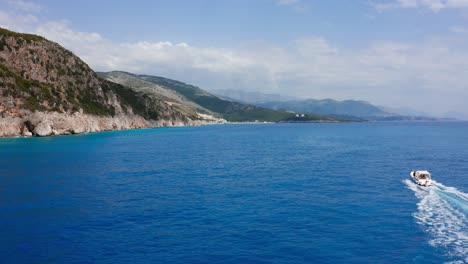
(42, 124)
(151, 125)
(166, 124)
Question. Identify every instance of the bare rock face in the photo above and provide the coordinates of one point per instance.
(10, 127)
(43, 129)
(53, 123)
(25, 131)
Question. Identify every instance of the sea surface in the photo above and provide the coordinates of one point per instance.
(267, 193)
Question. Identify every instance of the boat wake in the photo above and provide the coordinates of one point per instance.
(442, 212)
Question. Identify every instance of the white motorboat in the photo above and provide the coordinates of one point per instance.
(421, 177)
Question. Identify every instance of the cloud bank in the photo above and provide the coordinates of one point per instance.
(434, 5)
(287, 2)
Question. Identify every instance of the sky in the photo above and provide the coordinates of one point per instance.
(396, 53)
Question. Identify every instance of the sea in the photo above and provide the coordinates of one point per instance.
(240, 193)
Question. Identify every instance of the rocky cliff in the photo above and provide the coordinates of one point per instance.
(47, 90)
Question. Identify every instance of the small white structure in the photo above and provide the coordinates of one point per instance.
(211, 119)
(421, 177)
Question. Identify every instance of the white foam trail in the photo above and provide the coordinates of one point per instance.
(442, 212)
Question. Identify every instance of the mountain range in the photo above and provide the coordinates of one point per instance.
(356, 110)
(47, 90)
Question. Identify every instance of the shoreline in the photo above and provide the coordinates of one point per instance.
(41, 124)
(227, 123)
(156, 127)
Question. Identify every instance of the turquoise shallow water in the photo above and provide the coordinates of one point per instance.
(270, 193)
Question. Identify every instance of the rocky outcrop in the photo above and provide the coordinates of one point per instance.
(54, 124)
(10, 127)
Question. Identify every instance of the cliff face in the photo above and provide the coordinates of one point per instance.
(47, 90)
(177, 100)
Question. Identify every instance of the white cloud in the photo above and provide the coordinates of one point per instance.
(20, 23)
(392, 73)
(459, 29)
(287, 2)
(434, 5)
(295, 5)
(26, 6)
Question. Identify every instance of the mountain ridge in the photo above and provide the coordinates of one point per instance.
(355, 110)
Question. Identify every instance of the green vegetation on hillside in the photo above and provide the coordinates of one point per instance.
(143, 104)
(39, 96)
(128, 97)
(27, 37)
(33, 92)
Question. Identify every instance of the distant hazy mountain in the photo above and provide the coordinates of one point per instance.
(404, 111)
(347, 110)
(456, 115)
(251, 97)
(330, 107)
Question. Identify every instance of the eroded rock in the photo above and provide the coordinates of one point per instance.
(43, 129)
(54, 123)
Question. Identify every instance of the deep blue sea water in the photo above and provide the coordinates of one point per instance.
(270, 193)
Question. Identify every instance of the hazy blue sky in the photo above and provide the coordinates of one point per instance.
(394, 52)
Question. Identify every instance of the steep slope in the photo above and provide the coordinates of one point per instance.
(157, 92)
(45, 89)
(231, 111)
(43, 76)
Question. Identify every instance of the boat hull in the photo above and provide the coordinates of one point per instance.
(424, 183)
